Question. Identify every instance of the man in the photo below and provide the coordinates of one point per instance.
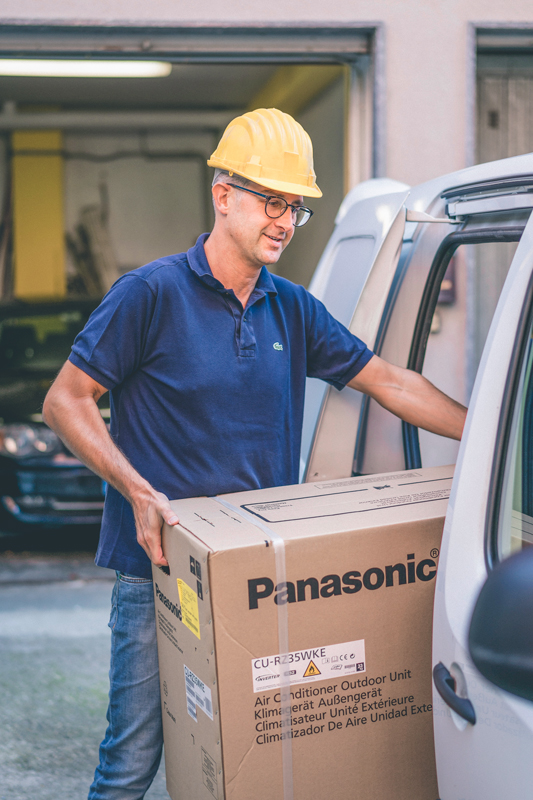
(205, 355)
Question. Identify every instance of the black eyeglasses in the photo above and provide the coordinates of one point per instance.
(275, 207)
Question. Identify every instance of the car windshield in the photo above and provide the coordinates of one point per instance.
(38, 343)
(33, 348)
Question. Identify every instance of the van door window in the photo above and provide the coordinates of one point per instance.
(448, 343)
(514, 514)
(442, 304)
(490, 264)
(447, 362)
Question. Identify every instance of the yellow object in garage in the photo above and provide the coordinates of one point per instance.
(38, 224)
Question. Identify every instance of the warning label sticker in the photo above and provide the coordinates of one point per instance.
(198, 694)
(304, 666)
(312, 669)
(189, 607)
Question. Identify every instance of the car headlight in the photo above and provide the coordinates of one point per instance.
(28, 440)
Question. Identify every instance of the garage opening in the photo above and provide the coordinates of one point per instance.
(101, 175)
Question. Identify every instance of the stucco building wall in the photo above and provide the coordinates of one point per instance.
(428, 80)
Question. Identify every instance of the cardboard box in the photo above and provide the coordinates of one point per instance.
(311, 684)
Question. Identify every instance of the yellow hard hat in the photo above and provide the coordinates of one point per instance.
(270, 148)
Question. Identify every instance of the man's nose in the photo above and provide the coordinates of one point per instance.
(286, 220)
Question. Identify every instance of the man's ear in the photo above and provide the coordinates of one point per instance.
(221, 197)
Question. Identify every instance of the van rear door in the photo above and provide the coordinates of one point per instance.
(483, 734)
(355, 272)
(417, 276)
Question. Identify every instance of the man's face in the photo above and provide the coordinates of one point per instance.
(260, 239)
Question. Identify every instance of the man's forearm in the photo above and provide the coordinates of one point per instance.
(70, 409)
(408, 395)
(79, 424)
(423, 405)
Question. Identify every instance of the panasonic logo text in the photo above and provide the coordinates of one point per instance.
(349, 583)
(172, 607)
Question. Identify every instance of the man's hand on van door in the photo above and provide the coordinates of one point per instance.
(151, 509)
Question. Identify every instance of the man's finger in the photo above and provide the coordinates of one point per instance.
(169, 515)
(166, 511)
(156, 554)
(151, 544)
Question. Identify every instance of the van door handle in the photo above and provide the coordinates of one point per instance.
(445, 686)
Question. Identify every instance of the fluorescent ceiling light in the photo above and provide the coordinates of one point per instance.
(59, 68)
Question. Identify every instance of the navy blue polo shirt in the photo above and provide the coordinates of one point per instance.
(206, 397)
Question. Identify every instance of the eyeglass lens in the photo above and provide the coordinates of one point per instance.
(276, 207)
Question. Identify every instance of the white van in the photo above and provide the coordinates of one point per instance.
(394, 252)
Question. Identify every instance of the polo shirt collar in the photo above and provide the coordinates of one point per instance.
(199, 264)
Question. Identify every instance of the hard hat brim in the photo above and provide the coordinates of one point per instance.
(291, 188)
(278, 186)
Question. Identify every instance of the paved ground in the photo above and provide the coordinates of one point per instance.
(54, 644)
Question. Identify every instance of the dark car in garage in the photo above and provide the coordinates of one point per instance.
(41, 482)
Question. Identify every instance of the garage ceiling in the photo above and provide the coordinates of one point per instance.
(188, 87)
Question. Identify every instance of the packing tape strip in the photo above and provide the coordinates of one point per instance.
(278, 544)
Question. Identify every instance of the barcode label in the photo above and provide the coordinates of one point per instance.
(198, 694)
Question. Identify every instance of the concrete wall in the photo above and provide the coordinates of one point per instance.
(157, 207)
(426, 51)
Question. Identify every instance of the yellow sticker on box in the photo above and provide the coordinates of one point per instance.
(189, 607)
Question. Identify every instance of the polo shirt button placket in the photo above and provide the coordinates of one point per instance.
(246, 338)
(227, 295)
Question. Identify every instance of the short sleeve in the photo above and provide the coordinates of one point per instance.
(333, 353)
(111, 345)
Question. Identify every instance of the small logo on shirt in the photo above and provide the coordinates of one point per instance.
(277, 346)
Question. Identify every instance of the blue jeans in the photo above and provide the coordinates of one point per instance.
(131, 750)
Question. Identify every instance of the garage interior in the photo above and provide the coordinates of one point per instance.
(99, 176)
